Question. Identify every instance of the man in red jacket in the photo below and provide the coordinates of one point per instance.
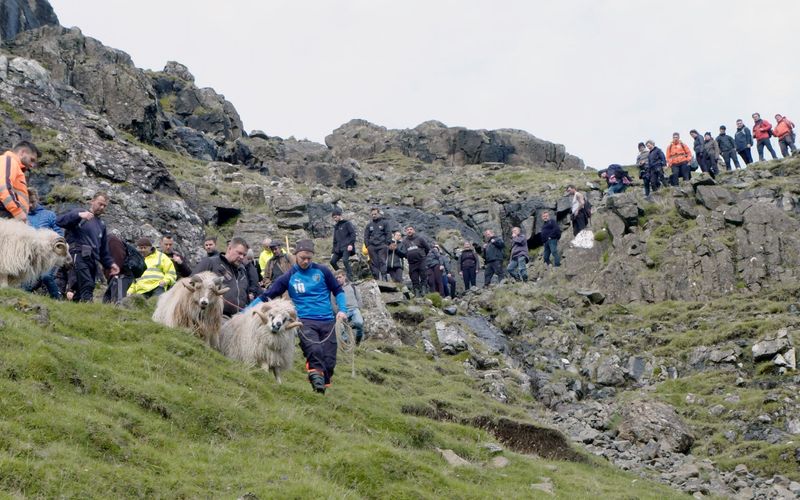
(784, 131)
(762, 131)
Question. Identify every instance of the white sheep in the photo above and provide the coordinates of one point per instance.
(27, 253)
(194, 303)
(263, 336)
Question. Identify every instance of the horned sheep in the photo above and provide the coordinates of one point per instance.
(263, 336)
(194, 303)
(27, 253)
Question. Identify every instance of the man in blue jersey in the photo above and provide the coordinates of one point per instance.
(310, 286)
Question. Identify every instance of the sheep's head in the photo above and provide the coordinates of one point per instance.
(277, 317)
(60, 247)
(204, 291)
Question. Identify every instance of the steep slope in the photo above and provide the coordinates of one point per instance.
(99, 401)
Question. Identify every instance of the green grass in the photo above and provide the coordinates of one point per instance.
(101, 402)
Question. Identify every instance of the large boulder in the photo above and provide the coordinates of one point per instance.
(22, 15)
(643, 421)
(378, 323)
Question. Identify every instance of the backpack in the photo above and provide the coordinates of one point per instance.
(133, 264)
(587, 207)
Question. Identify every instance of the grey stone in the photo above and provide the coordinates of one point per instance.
(713, 196)
(768, 348)
(716, 410)
(793, 426)
(643, 421)
(791, 358)
(594, 296)
(452, 458)
(451, 339)
(498, 462)
(450, 310)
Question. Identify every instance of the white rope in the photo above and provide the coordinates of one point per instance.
(347, 343)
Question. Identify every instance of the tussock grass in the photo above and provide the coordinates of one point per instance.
(99, 401)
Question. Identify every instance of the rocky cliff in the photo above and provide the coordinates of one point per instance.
(17, 16)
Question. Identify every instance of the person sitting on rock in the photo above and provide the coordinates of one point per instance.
(39, 217)
(517, 265)
(354, 305)
(158, 276)
(616, 178)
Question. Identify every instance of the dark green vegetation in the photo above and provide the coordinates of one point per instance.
(101, 402)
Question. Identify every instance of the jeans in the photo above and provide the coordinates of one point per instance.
(517, 268)
(357, 323)
(728, 156)
(344, 256)
(747, 156)
(48, 280)
(760, 147)
(616, 188)
(551, 248)
(786, 144)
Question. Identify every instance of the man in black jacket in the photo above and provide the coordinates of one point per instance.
(88, 244)
(416, 248)
(550, 234)
(493, 257)
(344, 242)
(377, 236)
(234, 275)
(727, 148)
(167, 246)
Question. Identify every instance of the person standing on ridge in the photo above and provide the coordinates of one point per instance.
(744, 142)
(550, 234)
(344, 242)
(762, 131)
(492, 257)
(377, 236)
(727, 148)
(580, 219)
(784, 131)
(678, 158)
(416, 248)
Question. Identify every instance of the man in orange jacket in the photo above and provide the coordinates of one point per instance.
(784, 131)
(678, 158)
(14, 203)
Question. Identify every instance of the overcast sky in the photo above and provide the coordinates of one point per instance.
(595, 75)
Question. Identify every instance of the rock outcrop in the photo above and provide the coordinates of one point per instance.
(17, 16)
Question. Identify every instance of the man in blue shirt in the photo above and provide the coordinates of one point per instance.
(310, 286)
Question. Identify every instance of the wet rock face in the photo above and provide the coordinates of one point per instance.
(17, 16)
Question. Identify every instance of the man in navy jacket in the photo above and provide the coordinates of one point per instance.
(88, 245)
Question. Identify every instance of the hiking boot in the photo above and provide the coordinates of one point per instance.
(317, 382)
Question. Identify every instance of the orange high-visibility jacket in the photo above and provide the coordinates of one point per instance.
(678, 153)
(783, 128)
(13, 186)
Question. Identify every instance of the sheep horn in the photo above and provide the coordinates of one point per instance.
(221, 291)
(60, 246)
(294, 324)
(190, 284)
(264, 317)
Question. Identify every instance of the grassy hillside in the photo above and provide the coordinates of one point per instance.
(101, 402)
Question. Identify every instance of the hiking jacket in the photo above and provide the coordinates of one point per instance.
(377, 233)
(233, 276)
(519, 246)
(656, 158)
(13, 186)
(39, 218)
(183, 268)
(678, 153)
(416, 248)
(726, 143)
(698, 145)
(467, 260)
(433, 259)
(394, 259)
(344, 235)
(276, 266)
(252, 279)
(743, 138)
(493, 249)
(159, 267)
(310, 290)
(550, 231)
(783, 128)
(641, 159)
(86, 238)
(761, 129)
(711, 149)
(263, 258)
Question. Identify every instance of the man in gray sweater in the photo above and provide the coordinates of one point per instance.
(353, 301)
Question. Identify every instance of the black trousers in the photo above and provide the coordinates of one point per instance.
(680, 171)
(435, 283)
(86, 275)
(469, 274)
(344, 256)
(492, 268)
(396, 274)
(416, 271)
(377, 260)
(318, 343)
(117, 289)
(747, 156)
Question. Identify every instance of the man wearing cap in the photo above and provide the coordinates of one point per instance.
(159, 273)
(310, 286)
(727, 148)
(278, 264)
(344, 242)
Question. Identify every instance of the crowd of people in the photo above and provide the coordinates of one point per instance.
(708, 154)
